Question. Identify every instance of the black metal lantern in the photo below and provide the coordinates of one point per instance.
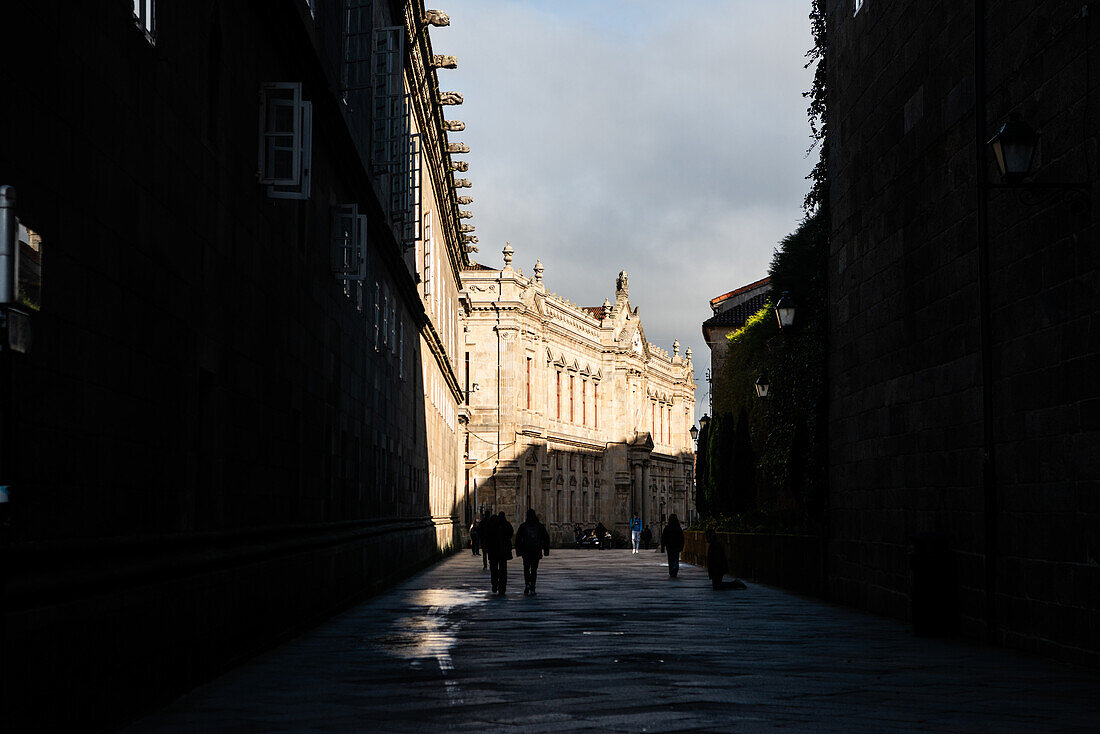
(704, 421)
(694, 431)
(762, 385)
(1014, 147)
(784, 310)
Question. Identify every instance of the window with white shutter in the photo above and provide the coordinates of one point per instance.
(286, 145)
(349, 243)
(145, 17)
(357, 45)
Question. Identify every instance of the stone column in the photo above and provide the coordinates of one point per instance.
(637, 488)
(644, 511)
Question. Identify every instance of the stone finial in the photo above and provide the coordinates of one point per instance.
(675, 347)
(538, 271)
(622, 285)
(466, 228)
(450, 98)
(440, 61)
(454, 126)
(458, 148)
(464, 200)
(687, 354)
(606, 308)
(508, 252)
(465, 214)
(462, 183)
(460, 166)
(437, 18)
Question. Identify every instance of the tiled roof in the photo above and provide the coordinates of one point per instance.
(478, 266)
(595, 312)
(718, 299)
(739, 314)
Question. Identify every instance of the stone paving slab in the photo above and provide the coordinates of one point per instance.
(612, 644)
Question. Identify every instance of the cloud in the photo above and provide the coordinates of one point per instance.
(634, 135)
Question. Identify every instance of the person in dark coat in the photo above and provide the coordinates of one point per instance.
(497, 544)
(647, 535)
(532, 543)
(672, 538)
(600, 532)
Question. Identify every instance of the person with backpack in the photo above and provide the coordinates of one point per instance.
(635, 531)
(532, 543)
(672, 538)
(497, 545)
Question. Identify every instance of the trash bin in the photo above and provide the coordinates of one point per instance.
(934, 592)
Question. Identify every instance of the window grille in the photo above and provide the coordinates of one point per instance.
(286, 143)
(349, 243)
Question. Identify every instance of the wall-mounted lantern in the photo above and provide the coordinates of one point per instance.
(694, 431)
(784, 310)
(762, 385)
(1014, 147)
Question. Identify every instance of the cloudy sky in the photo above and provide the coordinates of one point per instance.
(668, 140)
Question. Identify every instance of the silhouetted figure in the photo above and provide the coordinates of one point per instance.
(475, 538)
(578, 535)
(532, 543)
(600, 532)
(496, 535)
(635, 532)
(717, 565)
(647, 537)
(673, 541)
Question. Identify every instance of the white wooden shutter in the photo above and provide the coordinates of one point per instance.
(357, 44)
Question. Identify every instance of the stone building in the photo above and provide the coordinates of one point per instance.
(241, 410)
(964, 310)
(730, 312)
(573, 412)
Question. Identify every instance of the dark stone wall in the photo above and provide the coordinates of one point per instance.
(905, 389)
(210, 452)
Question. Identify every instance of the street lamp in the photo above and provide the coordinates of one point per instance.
(1014, 148)
(784, 310)
(694, 431)
(762, 385)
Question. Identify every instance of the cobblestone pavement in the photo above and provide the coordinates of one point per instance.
(612, 644)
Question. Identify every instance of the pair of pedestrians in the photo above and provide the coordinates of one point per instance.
(532, 542)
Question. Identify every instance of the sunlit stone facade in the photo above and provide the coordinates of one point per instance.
(573, 412)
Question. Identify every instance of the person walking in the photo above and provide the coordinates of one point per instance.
(672, 538)
(475, 538)
(532, 543)
(635, 532)
(498, 546)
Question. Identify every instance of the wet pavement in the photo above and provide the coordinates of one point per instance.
(612, 644)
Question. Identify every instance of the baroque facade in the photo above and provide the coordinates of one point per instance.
(573, 412)
(253, 417)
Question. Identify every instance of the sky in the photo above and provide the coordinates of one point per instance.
(662, 138)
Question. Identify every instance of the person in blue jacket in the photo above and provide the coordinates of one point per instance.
(635, 532)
